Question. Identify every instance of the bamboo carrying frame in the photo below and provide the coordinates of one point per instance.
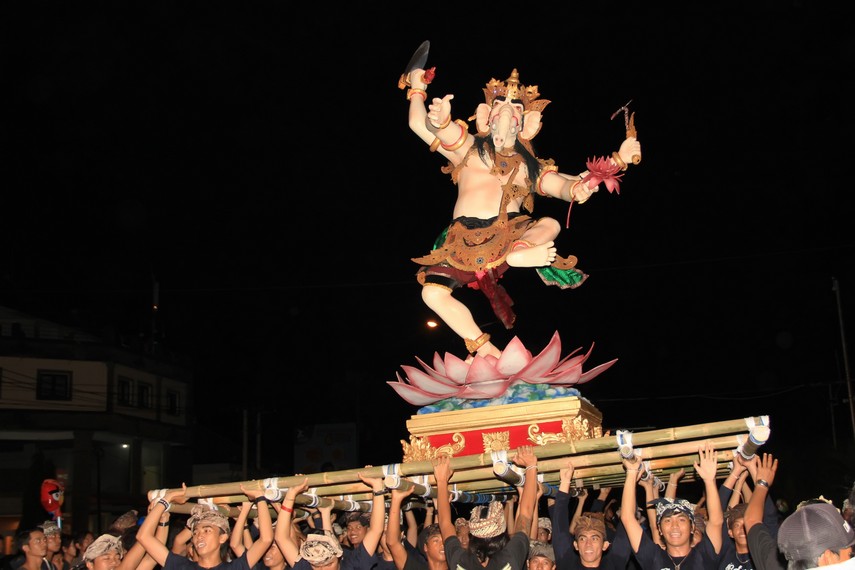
(597, 463)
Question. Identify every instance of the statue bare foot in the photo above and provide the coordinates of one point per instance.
(487, 349)
(534, 256)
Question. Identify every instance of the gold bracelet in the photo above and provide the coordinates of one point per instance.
(435, 144)
(416, 91)
(573, 193)
(446, 123)
(473, 345)
(464, 132)
(546, 170)
(619, 161)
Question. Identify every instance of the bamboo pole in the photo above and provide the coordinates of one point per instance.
(581, 463)
(234, 512)
(302, 500)
(481, 492)
(586, 452)
(599, 475)
(392, 482)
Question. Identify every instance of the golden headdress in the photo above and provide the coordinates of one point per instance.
(512, 89)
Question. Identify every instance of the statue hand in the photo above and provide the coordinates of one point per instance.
(628, 149)
(439, 111)
(417, 79)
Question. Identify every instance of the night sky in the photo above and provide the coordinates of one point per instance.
(257, 165)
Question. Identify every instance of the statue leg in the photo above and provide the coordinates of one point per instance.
(457, 316)
(535, 247)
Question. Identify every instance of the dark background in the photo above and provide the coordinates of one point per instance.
(254, 161)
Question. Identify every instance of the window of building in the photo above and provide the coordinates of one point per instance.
(53, 385)
(145, 395)
(124, 391)
(173, 403)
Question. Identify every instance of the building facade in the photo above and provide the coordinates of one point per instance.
(108, 421)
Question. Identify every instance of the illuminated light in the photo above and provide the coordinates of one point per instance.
(432, 324)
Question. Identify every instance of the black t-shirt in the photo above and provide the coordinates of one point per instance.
(416, 559)
(730, 559)
(512, 557)
(764, 549)
(359, 559)
(178, 562)
(566, 555)
(651, 556)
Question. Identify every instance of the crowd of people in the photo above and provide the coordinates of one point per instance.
(735, 526)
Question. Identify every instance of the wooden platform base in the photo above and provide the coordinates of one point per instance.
(501, 428)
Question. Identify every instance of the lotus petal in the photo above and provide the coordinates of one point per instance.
(565, 378)
(571, 361)
(422, 381)
(438, 364)
(456, 369)
(488, 377)
(596, 371)
(438, 374)
(413, 395)
(514, 358)
(544, 362)
(491, 359)
(485, 390)
(482, 370)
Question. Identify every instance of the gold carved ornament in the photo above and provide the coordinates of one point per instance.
(420, 449)
(571, 430)
(496, 441)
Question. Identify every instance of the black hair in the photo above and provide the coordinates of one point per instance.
(80, 535)
(484, 548)
(129, 537)
(22, 537)
(735, 513)
(484, 144)
(425, 534)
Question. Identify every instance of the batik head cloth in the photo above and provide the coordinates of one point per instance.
(204, 516)
(320, 549)
(666, 507)
(102, 545)
(490, 524)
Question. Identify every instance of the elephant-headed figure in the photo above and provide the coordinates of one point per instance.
(512, 113)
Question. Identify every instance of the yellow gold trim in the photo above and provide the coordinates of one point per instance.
(505, 415)
(496, 441)
(571, 430)
(543, 172)
(416, 91)
(464, 133)
(473, 345)
(420, 449)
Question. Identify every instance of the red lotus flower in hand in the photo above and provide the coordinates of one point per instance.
(602, 170)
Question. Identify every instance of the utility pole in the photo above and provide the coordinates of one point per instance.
(835, 286)
(245, 444)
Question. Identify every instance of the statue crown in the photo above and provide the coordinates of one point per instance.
(512, 89)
